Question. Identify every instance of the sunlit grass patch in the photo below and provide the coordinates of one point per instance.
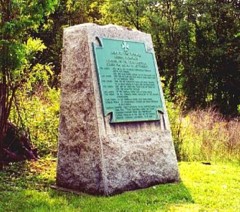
(215, 187)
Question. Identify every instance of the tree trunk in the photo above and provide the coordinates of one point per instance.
(3, 103)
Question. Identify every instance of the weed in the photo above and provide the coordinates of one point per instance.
(205, 135)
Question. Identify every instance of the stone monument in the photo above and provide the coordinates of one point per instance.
(114, 132)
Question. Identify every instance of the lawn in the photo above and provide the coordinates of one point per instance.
(215, 187)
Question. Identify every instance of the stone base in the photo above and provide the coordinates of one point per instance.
(129, 162)
(95, 156)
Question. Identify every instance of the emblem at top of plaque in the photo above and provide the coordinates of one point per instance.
(125, 46)
(128, 80)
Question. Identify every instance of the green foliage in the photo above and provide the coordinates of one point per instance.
(40, 115)
(18, 50)
(214, 52)
(176, 118)
(17, 20)
(196, 45)
(126, 13)
(26, 187)
(67, 13)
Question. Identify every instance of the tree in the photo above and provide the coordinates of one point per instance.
(213, 78)
(67, 13)
(129, 13)
(196, 46)
(17, 51)
(169, 29)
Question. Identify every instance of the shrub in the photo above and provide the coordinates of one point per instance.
(39, 114)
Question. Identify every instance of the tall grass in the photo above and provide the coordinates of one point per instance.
(204, 135)
(199, 135)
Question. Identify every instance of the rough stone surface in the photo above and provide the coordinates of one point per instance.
(95, 156)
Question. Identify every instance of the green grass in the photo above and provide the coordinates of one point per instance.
(216, 187)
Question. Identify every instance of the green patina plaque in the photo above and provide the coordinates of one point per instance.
(128, 80)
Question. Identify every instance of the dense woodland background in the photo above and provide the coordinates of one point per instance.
(197, 50)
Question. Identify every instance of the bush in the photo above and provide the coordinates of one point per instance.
(39, 114)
